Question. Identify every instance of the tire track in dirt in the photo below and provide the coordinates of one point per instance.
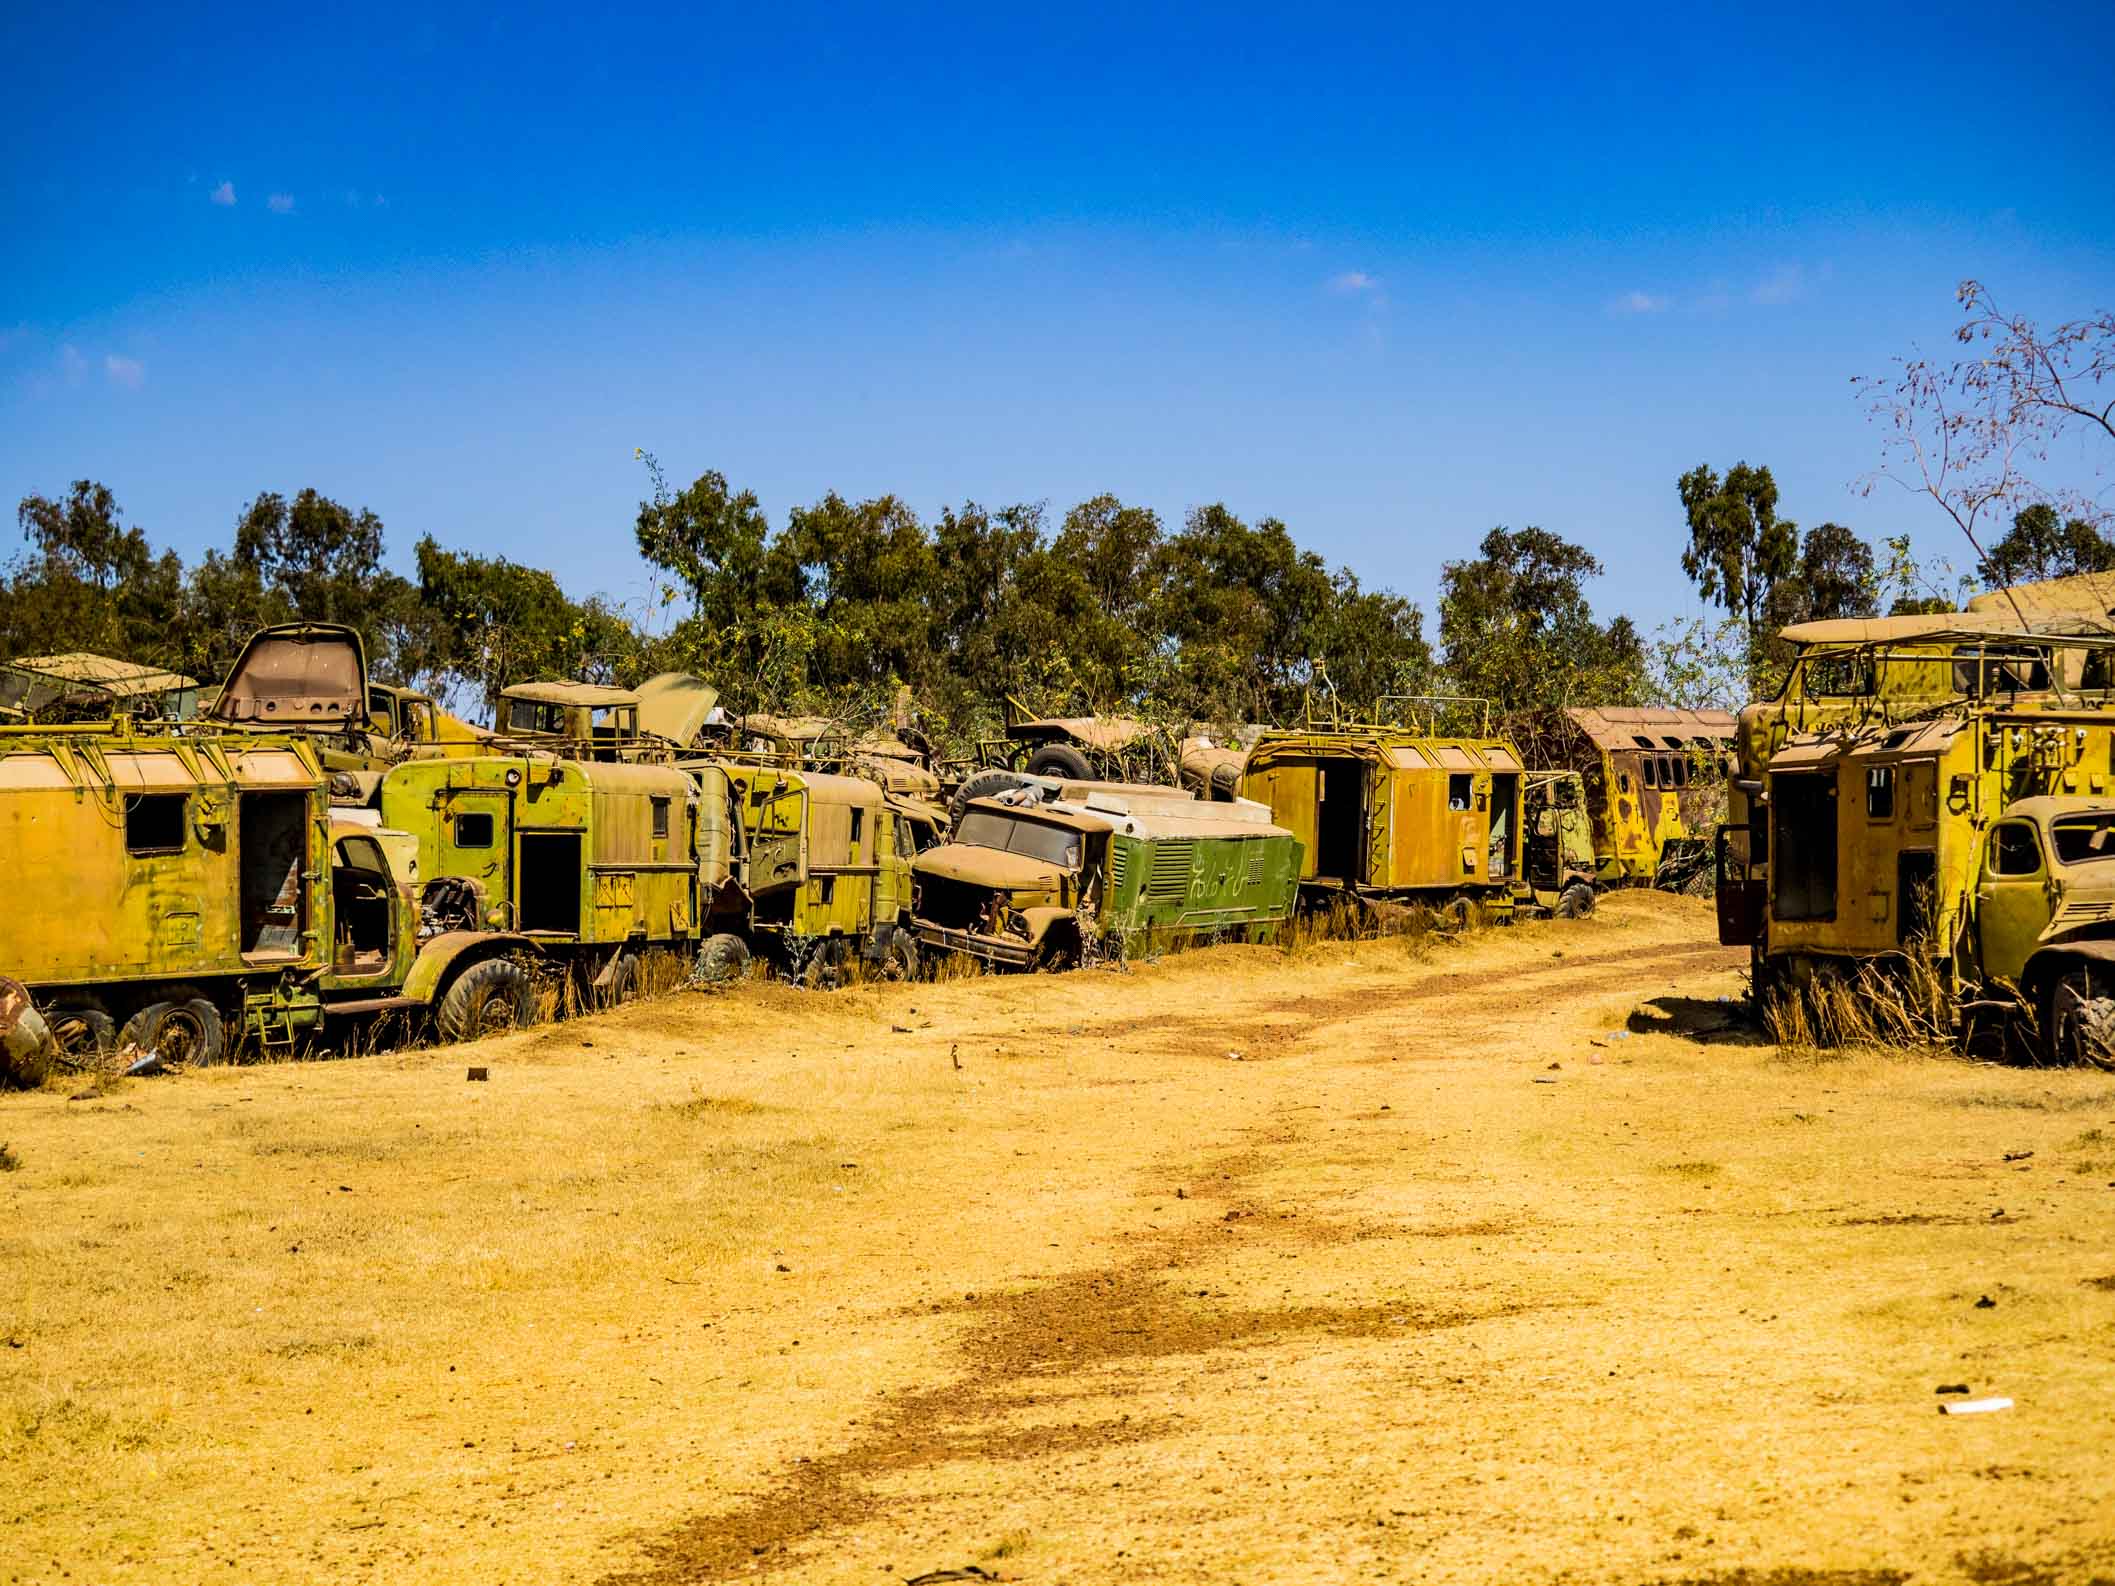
(1033, 1346)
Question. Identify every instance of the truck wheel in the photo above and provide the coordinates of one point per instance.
(1062, 761)
(824, 970)
(899, 959)
(622, 985)
(722, 960)
(1575, 902)
(83, 1032)
(490, 997)
(980, 785)
(187, 1032)
(2081, 1025)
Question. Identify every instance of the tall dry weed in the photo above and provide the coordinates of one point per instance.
(1899, 1005)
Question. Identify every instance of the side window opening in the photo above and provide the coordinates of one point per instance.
(660, 817)
(154, 823)
(1460, 789)
(1880, 793)
(2014, 850)
(859, 821)
(1681, 772)
(473, 829)
(1651, 771)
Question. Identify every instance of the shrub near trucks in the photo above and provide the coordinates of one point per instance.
(1035, 879)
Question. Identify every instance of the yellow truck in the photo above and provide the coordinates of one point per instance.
(593, 861)
(185, 893)
(1396, 813)
(808, 869)
(1979, 841)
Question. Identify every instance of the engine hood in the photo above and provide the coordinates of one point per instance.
(988, 867)
(297, 675)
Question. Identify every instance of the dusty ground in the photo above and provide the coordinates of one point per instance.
(1448, 1276)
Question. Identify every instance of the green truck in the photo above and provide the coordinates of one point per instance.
(1047, 874)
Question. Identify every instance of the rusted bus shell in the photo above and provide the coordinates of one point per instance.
(1655, 777)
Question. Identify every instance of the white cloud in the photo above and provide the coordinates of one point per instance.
(1784, 284)
(73, 368)
(127, 372)
(280, 203)
(1354, 281)
(223, 195)
(1635, 302)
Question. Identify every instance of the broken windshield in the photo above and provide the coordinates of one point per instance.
(1057, 845)
(2083, 837)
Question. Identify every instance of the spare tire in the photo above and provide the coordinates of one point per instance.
(1062, 761)
(980, 785)
(1226, 783)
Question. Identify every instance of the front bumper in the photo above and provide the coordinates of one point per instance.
(1008, 950)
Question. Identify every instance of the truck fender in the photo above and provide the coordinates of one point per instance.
(439, 957)
(1040, 920)
(2047, 962)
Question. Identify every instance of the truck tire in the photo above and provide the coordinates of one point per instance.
(899, 956)
(980, 785)
(723, 960)
(1058, 952)
(185, 1031)
(83, 1032)
(491, 996)
(1062, 761)
(2081, 1025)
(1575, 902)
(1226, 783)
(622, 985)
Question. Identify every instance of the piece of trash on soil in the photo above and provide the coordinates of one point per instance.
(1986, 1303)
(1951, 1387)
(1975, 1406)
(2017, 1156)
(477, 1074)
(1233, 1055)
(146, 1063)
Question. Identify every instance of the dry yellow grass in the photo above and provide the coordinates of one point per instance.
(1032, 1273)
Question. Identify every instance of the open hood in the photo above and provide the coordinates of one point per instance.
(298, 674)
(674, 705)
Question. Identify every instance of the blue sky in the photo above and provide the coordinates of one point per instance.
(1394, 275)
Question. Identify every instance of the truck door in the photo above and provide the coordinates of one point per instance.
(778, 856)
(476, 842)
(2011, 899)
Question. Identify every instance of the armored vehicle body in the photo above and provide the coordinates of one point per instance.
(1043, 874)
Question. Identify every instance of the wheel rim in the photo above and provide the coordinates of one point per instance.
(495, 1015)
(76, 1034)
(181, 1037)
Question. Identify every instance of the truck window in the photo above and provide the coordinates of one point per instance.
(2080, 838)
(1460, 788)
(473, 829)
(859, 826)
(2014, 849)
(660, 817)
(1651, 770)
(1055, 845)
(1880, 793)
(154, 823)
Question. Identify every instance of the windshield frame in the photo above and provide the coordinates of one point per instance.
(1070, 839)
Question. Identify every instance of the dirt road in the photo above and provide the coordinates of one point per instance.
(1513, 1263)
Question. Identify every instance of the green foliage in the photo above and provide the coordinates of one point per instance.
(2041, 545)
(1516, 627)
(495, 623)
(1739, 549)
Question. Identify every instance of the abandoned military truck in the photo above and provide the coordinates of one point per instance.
(594, 861)
(201, 894)
(1395, 814)
(1047, 874)
(806, 869)
(1981, 843)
